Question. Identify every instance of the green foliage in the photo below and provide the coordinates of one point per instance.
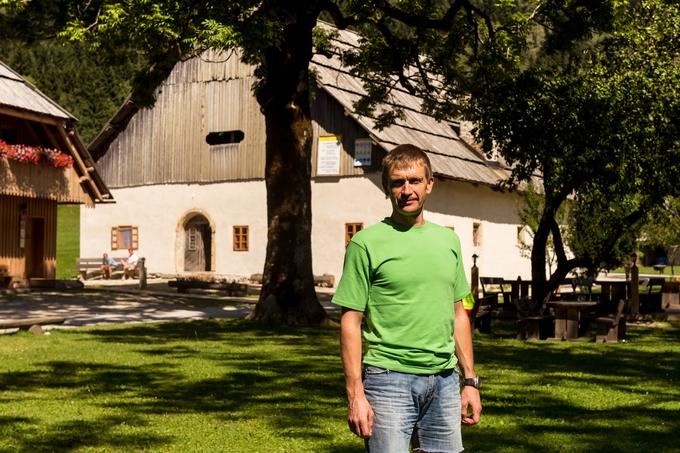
(77, 78)
(597, 119)
(68, 240)
(229, 385)
(663, 225)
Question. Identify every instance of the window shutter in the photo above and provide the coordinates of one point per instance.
(135, 238)
(114, 238)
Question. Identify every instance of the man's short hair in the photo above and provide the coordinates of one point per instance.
(404, 156)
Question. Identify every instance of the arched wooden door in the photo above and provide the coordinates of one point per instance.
(197, 244)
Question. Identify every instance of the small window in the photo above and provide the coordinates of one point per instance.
(124, 237)
(224, 137)
(240, 238)
(477, 234)
(193, 239)
(351, 229)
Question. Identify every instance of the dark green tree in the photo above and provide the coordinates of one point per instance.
(277, 36)
(75, 76)
(598, 120)
(582, 94)
(662, 229)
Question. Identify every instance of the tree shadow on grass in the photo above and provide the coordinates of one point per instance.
(580, 397)
(290, 379)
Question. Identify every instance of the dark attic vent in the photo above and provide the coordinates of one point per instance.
(224, 137)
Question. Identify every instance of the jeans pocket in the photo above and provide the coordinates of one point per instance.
(370, 370)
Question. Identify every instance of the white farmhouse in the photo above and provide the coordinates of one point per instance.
(188, 176)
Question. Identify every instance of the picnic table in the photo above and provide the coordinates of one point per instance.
(569, 317)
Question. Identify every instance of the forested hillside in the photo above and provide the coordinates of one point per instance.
(74, 76)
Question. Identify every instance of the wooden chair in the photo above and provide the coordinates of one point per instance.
(480, 316)
(611, 329)
(492, 288)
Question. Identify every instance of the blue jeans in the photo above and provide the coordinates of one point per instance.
(421, 409)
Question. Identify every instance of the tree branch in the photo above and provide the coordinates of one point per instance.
(341, 21)
(558, 243)
(393, 42)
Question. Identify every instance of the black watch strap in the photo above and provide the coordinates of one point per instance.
(475, 382)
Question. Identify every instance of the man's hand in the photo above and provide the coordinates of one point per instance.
(470, 402)
(360, 417)
(359, 411)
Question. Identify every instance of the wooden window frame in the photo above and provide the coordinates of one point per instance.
(352, 228)
(116, 237)
(241, 238)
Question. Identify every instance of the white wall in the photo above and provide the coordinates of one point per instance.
(460, 204)
(157, 211)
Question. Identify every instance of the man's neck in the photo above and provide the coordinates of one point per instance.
(408, 220)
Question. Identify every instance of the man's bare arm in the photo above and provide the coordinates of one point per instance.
(359, 412)
(470, 400)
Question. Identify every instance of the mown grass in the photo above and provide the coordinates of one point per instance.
(235, 386)
(668, 270)
(68, 240)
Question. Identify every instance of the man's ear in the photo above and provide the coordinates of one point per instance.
(429, 186)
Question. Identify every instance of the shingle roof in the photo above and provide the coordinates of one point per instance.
(17, 93)
(450, 156)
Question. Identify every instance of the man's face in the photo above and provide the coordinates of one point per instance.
(408, 187)
(130, 251)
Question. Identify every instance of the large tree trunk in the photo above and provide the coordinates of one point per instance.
(288, 294)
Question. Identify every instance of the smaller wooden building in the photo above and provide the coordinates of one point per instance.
(43, 163)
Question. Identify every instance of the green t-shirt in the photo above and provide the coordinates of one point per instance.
(405, 280)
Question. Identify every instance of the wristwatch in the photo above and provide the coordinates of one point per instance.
(475, 382)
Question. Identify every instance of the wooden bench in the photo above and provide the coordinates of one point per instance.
(532, 326)
(611, 329)
(650, 301)
(33, 325)
(91, 267)
(231, 288)
(324, 280)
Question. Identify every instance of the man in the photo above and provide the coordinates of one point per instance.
(404, 278)
(130, 264)
(108, 264)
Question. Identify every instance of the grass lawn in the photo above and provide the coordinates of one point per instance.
(68, 240)
(668, 270)
(234, 386)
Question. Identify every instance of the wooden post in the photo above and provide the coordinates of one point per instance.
(142, 273)
(474, 278)
(634, 288)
